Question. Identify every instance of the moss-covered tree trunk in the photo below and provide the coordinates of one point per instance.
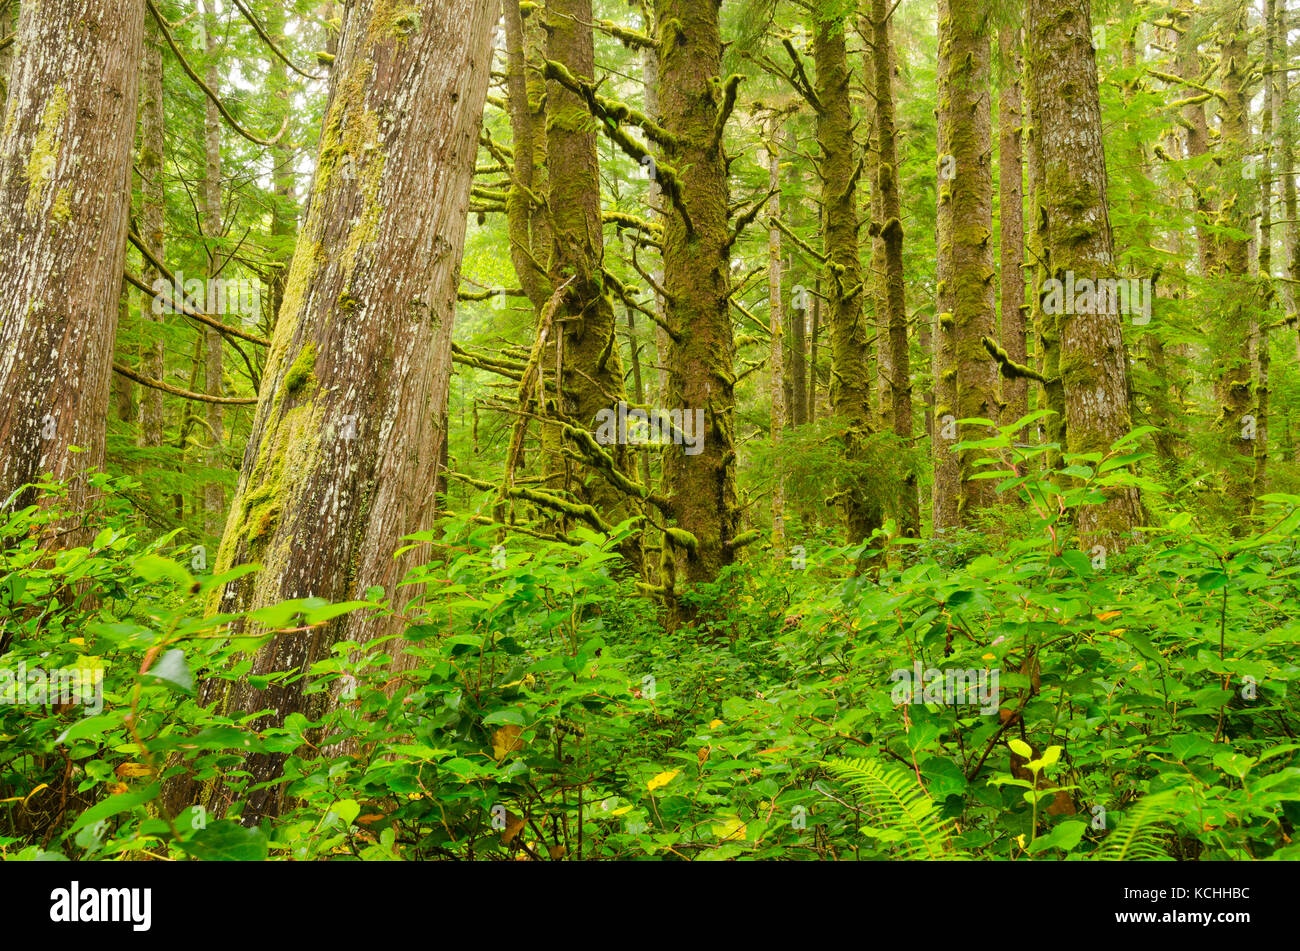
(1047, 349)
(525, 102)
(965, 109)
(65, 164)
(591, 368)
(945, 492)
(850, 381)
(1093, 363)
(1238, 424)
(696, 252)
(1011, 222)
(888, 229)
(776, 353)
(342, 457)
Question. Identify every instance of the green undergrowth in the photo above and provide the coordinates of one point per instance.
(1144, 706)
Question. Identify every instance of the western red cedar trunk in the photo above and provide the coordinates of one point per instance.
(696, 253)
(1011, 223)
(965, 107)
(1093, 363)
(65, 161)
(342, 457)
(850, 382)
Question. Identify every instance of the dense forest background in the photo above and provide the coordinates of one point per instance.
(621, 429)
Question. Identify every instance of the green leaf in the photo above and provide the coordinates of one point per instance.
(115, 804)
(172, 670)
(346, 810)
(227, 841)
(1064, 836)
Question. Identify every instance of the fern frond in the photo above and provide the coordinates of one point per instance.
(1138, 837)
(900, 805)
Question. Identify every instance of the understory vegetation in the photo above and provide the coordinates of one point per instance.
(549, 713)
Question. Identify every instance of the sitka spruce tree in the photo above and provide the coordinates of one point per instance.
(1078, 246)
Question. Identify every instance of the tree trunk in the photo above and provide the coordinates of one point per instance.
(697, 252)
(888, 230)
(591, 377)
(776, 361)
(65, 162)
(343, 455)
(284, 212)
(1093, 364)
(1238, 429)
(1011, 232)
(850, 383)
(214, 495)
(153, 208)
(945, 492)
(966, 111)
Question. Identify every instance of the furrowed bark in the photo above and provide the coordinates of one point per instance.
(343, 455)
(65, 161)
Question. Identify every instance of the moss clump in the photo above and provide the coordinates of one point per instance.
(300, 373)
(61, 213)
(40, 164)
(261, 512)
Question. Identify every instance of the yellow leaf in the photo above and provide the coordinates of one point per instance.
(619, 812)
(714, 724)
(1020, 840)
(77, 640)
(729, 828)
(663, 779)
(514, 825)
(989, 657)
(506, 740)
(132, 770)
(1108, 615)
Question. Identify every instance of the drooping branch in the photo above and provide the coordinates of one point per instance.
(184, 394)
